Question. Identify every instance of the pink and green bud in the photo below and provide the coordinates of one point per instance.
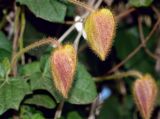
(100, 28)
(63, 64)
(145, 92)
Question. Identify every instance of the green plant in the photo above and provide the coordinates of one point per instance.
(44, 77)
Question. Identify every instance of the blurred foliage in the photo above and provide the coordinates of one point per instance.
(129, 39)
(140, 3)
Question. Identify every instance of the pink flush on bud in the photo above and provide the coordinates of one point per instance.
(63, 64)
(145, 92)
(100, 29)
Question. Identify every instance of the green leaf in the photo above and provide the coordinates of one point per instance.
(5, 47)
(12, 93)
(41, 100)
(126, 41)
(4, 54)
(73, 115)
(37, 116)
(4, 68)
(30, 68)
(29, 112)
(5, 44)
(70, 10)
(41, 82)
(84, 89)
(31, 35)
(78, 95)
(2, 72)
(6, 65)
(45, 66)
(50, 10)
(112, 108)
(140, 3)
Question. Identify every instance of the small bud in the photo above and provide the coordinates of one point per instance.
(145, 92)
(100, 29)
(63, 65)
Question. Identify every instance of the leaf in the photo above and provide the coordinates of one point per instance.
(38, 81)
(70, 10)
(4, 68)
(45, 65)
(30, 68)
(2, 72)
(140, 3)
(41, 79)
(12, 93)
(5, 47)
(41, 82)
(112, 108)
(31, 35)
(5, 44)
(6, 65)
(41, 100)
(84, 89)
(126, 41)
(78, 95)
(73, 115)
(4, 54)
(50, 10)
(37, 116)
(29, 112)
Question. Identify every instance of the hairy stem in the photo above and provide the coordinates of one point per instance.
(119, 75)
(81, 5)
(34, 45)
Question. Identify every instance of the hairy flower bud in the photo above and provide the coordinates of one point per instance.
(63, 65)
(100, 29)
(145, 92)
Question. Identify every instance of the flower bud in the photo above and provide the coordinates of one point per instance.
(145, 92)
(63, 65)
(100, 29)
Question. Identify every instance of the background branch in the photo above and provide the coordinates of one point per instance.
(137, 49)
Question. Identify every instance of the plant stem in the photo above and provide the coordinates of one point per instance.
(125, 13)
(71, 28)
(94, 106)
(34, 45)
(81, 5)
(76, 41)
(136, 49)
(23, 22)
(119, 75)
(16, 33)
(140, 27)
(59, 110)
(96, 6)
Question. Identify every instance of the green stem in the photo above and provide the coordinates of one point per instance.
(23, 23)
(3, 22)
(32, 46)
(119, 75)
(16, 35)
